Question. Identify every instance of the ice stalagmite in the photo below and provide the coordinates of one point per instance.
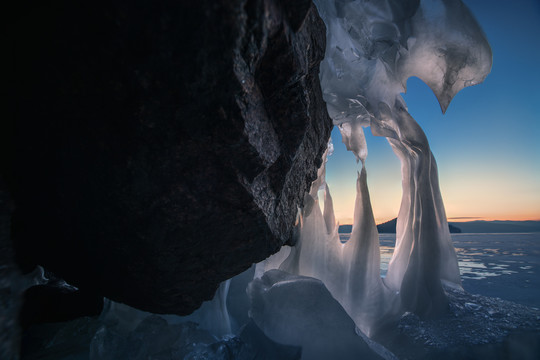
(328, 214)
(366, 299)
(313, 243)
(317, 252)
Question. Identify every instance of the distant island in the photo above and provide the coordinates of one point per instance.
(389, 227)
(479, 226)
(497, 226)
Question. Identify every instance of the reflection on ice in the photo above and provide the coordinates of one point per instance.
(471, 261)
(479, 271)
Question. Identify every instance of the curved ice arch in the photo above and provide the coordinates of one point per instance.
(373, 47)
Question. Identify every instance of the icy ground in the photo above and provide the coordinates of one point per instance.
(476, 327)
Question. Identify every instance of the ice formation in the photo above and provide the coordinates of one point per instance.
(213, 315)
(287, 309)
(373, 47)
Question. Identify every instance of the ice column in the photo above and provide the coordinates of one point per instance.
(317, 252)
(423, 254)
(369, 303)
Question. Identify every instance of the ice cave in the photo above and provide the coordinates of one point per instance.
(317, 296)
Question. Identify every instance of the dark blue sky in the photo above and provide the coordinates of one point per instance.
(487, 145)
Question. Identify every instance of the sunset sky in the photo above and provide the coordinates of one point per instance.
(487, 145)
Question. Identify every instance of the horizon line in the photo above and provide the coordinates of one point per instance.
(472, 219)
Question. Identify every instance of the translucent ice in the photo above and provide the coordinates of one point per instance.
(213, 315)
(328, 214)
(317, 252)
(367, 300)
(350, 271)
(373, 47)
(299, 311)
(127, 333)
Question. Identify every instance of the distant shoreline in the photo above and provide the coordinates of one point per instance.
(477, 226)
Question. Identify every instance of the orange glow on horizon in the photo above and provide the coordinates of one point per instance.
(349, 220)
(461, 206)
(485, 195)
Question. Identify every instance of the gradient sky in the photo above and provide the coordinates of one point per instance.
(487, 145)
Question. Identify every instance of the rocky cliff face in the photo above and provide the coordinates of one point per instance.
(158, 148)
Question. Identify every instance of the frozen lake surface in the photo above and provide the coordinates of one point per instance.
(504, 265)
(495, 265)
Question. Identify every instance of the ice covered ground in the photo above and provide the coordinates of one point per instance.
(477, 327)
(494, 265)
(501, 265)
(504, 266)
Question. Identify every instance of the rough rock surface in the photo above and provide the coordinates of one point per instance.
(157, 148)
